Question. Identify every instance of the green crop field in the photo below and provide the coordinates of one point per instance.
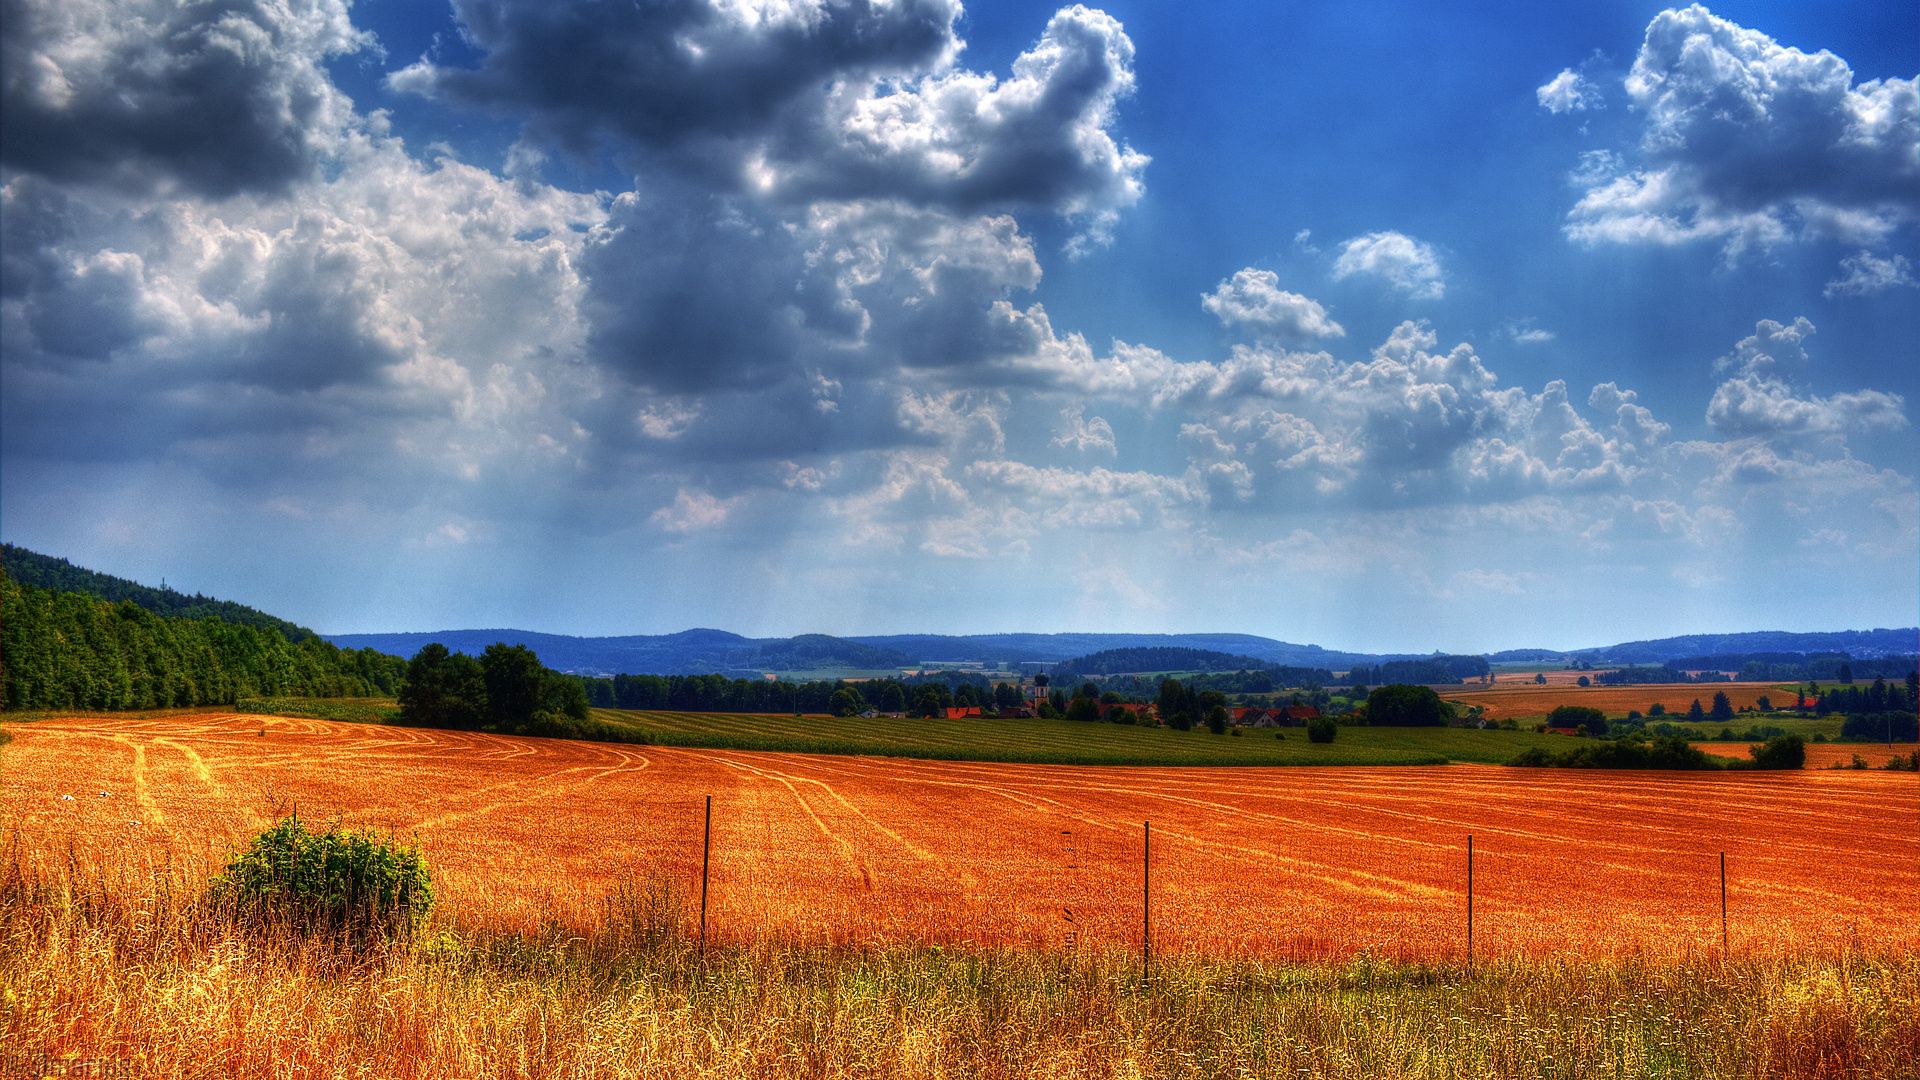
(1804, 726)
(1066, 742)
(349, 710)
(1033, 741)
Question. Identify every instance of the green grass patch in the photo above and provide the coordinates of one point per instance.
(1804, 726)
(346, 710)
(1064, 742)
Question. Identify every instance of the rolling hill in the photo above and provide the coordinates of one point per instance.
(693, 652)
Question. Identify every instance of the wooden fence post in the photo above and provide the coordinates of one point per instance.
(1469, 899)
(1146, 904)
(1723, 904)
(706, 855)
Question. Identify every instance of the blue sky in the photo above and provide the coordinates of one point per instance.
(1380, 326)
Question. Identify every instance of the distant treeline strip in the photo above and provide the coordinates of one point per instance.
(1156, 659)
(1427, 670)
(73, 650)
(717, 693)
(1763, 667)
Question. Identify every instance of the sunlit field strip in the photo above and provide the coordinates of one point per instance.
(809, 847)
(1533, 702)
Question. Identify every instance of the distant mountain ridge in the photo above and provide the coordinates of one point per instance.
(702, 651)
(1860, 643)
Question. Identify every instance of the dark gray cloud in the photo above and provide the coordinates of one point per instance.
(33, 220)
(216, 98)
(844, 100)
(402, 317)
(667, 72)
(969, 141)
(690, 291)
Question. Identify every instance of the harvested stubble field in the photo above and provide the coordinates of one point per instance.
(1521, 702)
(1821, 755)
(1554, 677)
(808, 848)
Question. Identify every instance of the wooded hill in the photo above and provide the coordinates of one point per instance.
(90, 642)
(1156, 659)
(59, 575)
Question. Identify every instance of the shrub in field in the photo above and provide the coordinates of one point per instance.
(334, 881)
(1573, 716)
(1322, 729)
(1779, 752)
(1407, 706)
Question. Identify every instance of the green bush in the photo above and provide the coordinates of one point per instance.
(1322, 729)
(1579, 716)
(1779, 752)
(340, 882)
(1402, 705)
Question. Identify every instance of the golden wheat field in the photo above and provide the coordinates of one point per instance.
(1821, 755)
(1276, 862)
(1515, 702)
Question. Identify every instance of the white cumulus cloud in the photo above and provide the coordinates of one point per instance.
(1753, 143)
(1398, 259)
(1864, 273)
(1568, 92)
(1253, 300)
(1762, 399)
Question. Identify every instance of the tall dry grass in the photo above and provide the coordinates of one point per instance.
(129, 971)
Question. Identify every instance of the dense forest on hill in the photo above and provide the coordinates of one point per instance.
(1157, 658)
(74, 650)
(59, 575)
(1427, 670)
(821, 651)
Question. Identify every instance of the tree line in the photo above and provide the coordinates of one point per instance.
(1761, 667)
(718, 693)
(71, 650)
(1881, 696)
(1149, 658)
(505, 690)
(1883, 710)
(1421, 670)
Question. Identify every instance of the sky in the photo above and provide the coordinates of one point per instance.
(1390, 327)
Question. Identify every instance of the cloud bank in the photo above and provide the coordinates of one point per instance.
(807, 338)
